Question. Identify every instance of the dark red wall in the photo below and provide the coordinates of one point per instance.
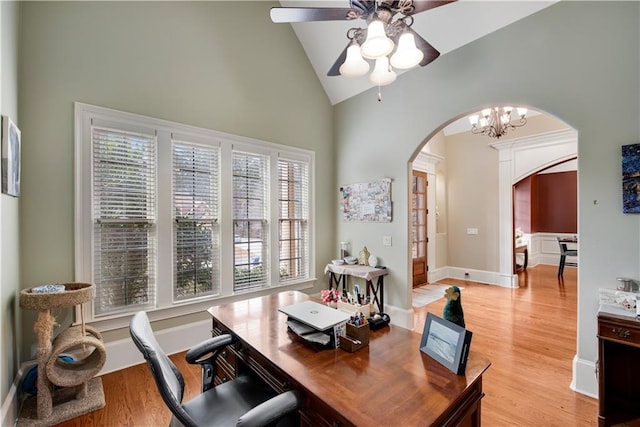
(522, 205)
(547, 203)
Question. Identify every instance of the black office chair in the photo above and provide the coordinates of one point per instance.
(243, 401)
(564, 253)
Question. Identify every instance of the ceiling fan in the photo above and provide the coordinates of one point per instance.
(384, 11)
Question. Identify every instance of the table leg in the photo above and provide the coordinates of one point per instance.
(378, 292)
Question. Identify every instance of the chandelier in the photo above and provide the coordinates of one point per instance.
(375, 43)
(495, 122)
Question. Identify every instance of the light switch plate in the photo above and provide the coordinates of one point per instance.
(386, 240)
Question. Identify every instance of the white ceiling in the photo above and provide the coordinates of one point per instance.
(446, 28)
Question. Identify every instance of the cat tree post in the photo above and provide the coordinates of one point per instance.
(65, 389)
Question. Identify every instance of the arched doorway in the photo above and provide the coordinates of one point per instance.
(470, 226)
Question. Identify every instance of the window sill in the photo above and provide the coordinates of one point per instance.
(183, 309)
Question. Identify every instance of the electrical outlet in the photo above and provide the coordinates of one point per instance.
(386, 240)
(472, 231)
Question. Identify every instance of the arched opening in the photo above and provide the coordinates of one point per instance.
(470, 226)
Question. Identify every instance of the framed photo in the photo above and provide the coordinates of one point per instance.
(446, 342)
(10, 157)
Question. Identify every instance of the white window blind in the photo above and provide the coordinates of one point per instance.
(195, 218)
(124, 218)
(165, 212)
(293, 200)
(250, 224)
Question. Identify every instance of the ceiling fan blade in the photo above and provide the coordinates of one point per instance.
(335, 68)
(306, 14)
(422, 5)
(430, 52)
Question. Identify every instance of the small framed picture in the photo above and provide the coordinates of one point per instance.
(10, 157)
(446, 342)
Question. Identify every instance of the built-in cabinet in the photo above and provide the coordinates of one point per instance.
(618, 370)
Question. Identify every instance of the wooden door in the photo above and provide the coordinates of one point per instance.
(419, 228)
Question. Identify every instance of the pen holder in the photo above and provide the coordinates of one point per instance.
(356, 337)
(366, 309)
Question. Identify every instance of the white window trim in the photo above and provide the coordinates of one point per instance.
(165, 129)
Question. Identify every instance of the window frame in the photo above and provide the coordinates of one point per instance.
(167, 132)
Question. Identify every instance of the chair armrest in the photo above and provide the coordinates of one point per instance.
(211, 345)
(270, 411)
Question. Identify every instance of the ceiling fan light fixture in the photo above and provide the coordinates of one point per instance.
(407, 55)
(382, 74)
(377, 43)
(354, 65)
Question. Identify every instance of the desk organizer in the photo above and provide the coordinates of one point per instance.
(356, 337)
(366, 309)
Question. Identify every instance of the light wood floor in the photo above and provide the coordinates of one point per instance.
(529, 334)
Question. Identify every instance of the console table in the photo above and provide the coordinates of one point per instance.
(339, 273)
(524, 250)
(388, 382)
(618, 374)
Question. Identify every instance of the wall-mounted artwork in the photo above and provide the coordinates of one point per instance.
(367, 201)
(631, 178)
(10, 157)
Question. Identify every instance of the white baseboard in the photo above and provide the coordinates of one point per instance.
(10, 405)
(481, 276)
(124, 353)
(584, 377)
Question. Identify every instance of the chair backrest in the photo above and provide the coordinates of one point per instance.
(563, 248)
(168, 379)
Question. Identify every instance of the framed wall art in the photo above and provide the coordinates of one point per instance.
(446, 342)
(367, 201)
(11, 151)
(631, 178)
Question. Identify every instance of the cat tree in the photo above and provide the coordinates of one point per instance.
(65, 389)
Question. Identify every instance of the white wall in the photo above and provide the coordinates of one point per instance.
(550, 66)
(9, 213)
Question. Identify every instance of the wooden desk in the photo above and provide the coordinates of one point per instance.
(618, 374)
(389, 382)
(339, 273)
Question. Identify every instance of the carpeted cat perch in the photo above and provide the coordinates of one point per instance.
(77, 391)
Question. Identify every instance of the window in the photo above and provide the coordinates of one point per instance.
(124, 207)
(170, 217)
(293, 203)
(195, 217)
(250, 225)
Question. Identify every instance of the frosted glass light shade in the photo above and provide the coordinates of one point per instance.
(407, 54)
(522, 111)
(473, 119)
(354, 65)
(377, 43)
(382, 75)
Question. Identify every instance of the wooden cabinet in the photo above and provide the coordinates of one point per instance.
(618, 370)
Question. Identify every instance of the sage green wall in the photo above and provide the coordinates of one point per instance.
(9, 206)
(217, 65)
(578, 61)
(472, 178)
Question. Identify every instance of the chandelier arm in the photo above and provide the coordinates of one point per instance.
(495, 127)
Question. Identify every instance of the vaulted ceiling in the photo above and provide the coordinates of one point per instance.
(446, 28)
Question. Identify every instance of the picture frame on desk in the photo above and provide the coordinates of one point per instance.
(446, 342)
